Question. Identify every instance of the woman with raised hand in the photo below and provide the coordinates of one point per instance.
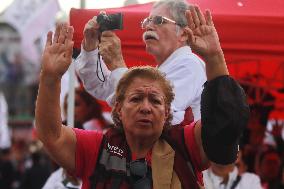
(141, 151)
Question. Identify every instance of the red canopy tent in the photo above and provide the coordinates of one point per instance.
(251, 34)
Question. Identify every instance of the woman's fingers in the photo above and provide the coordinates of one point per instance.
(69, 34)
(48, 39)
(69, 42)
(57, 32)
(63, 33)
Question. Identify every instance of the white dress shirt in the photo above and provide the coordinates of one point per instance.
(247, 180)
(185, 70)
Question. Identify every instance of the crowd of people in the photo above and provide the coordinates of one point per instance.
(27, 160)
(184, 124)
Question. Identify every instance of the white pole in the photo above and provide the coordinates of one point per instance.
(83, 4)
(71, 95)
(71, 91)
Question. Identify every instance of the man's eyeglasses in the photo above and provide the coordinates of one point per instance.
(157, 20)
(141, 177)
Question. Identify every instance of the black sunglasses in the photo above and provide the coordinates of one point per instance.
(141, 177)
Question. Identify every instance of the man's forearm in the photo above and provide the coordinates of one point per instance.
(216, 66)
(89, 73)
(47, 114)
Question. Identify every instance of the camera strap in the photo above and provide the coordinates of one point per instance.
(99, 68)
(99, 64)
(236, 182)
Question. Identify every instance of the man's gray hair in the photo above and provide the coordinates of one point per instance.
(176, 9)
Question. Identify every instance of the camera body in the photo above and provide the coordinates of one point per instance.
(110, 22)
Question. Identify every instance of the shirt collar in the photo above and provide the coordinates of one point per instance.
(177, 53)
(217, 180)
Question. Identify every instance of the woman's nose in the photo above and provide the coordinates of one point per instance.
(145, 106)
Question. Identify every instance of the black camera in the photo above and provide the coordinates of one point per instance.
(110, 22)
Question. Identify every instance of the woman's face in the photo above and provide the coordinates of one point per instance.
(143, 112)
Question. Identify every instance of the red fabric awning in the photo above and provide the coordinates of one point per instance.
(251, 34)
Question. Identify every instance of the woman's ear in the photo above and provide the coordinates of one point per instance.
(117, 108)
(167, 112)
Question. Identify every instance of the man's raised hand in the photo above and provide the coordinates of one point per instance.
(202, 35)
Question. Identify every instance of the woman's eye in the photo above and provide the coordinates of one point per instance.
(156, 101)
(134, 99)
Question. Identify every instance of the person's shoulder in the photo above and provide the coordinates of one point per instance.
(54, 179)
(114, 134)
(88, 136)
(190, 63)
(177, 132)
(82, 132)
(251, 179)
(250, 176)
(185, 53)
(57, 175)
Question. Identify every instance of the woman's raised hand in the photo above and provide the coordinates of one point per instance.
(57, 55)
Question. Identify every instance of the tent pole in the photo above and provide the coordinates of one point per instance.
(71, 95)
(83, 4)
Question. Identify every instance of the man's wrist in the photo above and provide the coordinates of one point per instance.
(216, 66)
(214, 57)
(119, 63)
(89, 46)
(91, 53)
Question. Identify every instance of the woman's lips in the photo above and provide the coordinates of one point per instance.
(144, 122)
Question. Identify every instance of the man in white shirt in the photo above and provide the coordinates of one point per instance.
(60, 180)
(230, 179)
(165, 37)
(234, 176)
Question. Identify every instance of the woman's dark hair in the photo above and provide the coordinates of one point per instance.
(91, 102)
